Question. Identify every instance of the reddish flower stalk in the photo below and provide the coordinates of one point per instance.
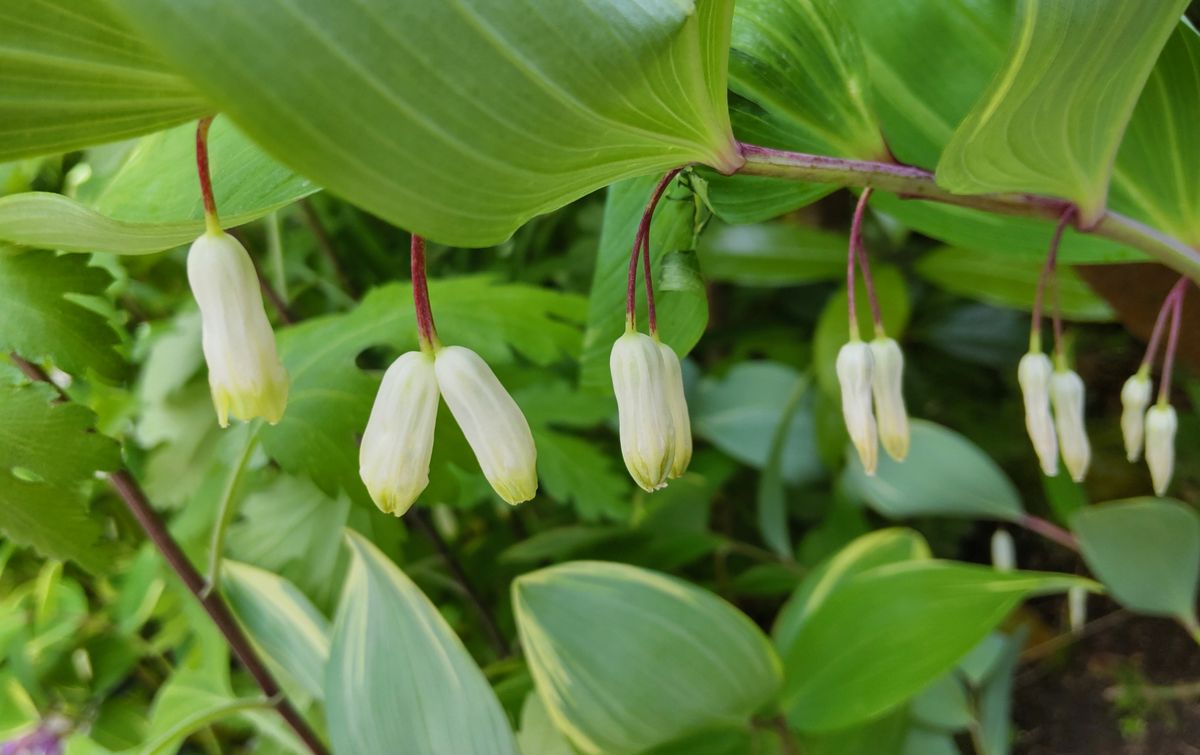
(1161, 321)
(858, 251)
(1164, 387)
(1050, 274)
(640, 241)
(206, 189)
(426, 332)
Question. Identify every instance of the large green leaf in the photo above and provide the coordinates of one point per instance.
(772, 254)
(800, 79)
(153, 201)
(999, 279)
(462, 120)
(889, 632)
(282, 622)
(626, 659)
(1052, 119)
(398, 679)
(889, 546)
(944, 475)
(330, 398)
(44, 313)
(680, 322)
(48, 452)
(1151, 180)
(72, 75)
(1146, 552)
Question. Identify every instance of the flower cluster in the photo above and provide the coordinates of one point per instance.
(656, 432)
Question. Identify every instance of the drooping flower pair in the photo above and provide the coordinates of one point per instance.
(245, 375)
(656, 431)
(871, 375)
(397, 445)
(1154, 427)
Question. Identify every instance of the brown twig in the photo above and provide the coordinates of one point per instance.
(417, 517)
(135, 499)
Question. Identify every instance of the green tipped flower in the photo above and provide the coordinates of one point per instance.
(1161, 424)
(887, 386)
(1135, 398)
(1067, 397)
(647, 430)
(855, 369)
(393, 460)
(244, 372)
(677, 405)
(1033, 374)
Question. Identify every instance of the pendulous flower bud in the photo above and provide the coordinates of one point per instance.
(677, 405)
(393, 459)
(887, 386)
(1077, 608)
(1004, 551)
(492, 422)
(1135, 397)
(855, 366)
(1033, 374)
(244, 372)
(647, 430)
(1067, 394)
(1161, 423)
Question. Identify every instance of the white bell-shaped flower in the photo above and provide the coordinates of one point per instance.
(1004, 551)
(491, 421)
(393, 459)
(677, 405)
(647, 430)
(1033, 374)
(855, 368)
(244, 372)
(1161, 424)
(1077, 608)
(887, 386)
(1067, 397)
(1135, 398)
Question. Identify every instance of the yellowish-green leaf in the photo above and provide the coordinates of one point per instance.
(461, 120)
(1052, 119)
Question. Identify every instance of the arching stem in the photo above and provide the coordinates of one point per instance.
(211, 221)
(642, 241)
(1164, 386)
(1160, 323)
(426, 332)
(858, 251)
(1050, 276)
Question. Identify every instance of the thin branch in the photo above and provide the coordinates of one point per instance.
(131, 493)
(426, 330)
(916, 183)
(417, 517)
(1049, 530)
(328, 249)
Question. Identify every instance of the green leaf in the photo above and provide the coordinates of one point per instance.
(922, 741)
(538, 735)
(73, 75)
(888, 546)
(944, 475)
(195, 710)
(944, 705)
(48, 452)
(578, 95)
(882, 736)
(330, 398)
(885, 634)
(995, 699)
(741, 412)
(626, 659)
(772, 254)
(1150, 181)
(282, 622)
(1007, 282)
(680, 321)
(153, 202)
(1052, 119)
(44, 313)
(800, 78)
(1146, 552)
(399, 680)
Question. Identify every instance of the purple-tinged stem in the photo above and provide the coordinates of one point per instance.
(426, 332)
(859, 250)
(642, 239)
(1050, 275)
(1049, 530)
(1164, 386)
(1160, 323)
(206, 190)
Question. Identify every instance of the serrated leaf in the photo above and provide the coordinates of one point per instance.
(330, 398)
(999, 279)
(865, 650)
(1052, 119)
(601, 638)
(153, 202)
(945, 474)
(577, 95)
(73, 75)
(47, 452)
(1146, 552)
(41, 318)
(679, 322)
(398, 679)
